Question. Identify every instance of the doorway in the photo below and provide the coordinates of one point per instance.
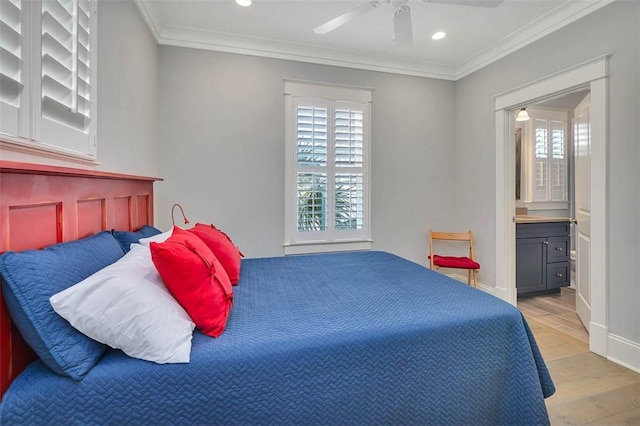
(552, 190)
(591, 75)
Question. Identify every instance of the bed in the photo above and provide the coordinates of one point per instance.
(350, 338)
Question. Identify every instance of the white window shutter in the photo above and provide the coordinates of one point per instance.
(12, 76)
(548, 177)
(67, 58)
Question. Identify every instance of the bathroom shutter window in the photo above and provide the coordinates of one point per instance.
(66, 84)
(549, 156)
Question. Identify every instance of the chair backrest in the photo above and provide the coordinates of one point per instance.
(450, 236)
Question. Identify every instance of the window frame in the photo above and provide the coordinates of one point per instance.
(332, 96)
(36, 134)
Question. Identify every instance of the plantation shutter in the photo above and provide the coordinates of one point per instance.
(11, 65)
(349, 158)
(549, 160)
(66, 85)
(311, 170)
(329, 169)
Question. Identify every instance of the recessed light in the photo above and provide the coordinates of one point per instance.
(244, 3)
(439, 35)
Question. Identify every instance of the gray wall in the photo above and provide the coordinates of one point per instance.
(222, 148)
(612, 30)
(127, 94)
(128, 109)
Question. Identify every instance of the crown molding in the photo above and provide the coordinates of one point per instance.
(172, 35)
(152, 16)
(231, 43)
(557, 18)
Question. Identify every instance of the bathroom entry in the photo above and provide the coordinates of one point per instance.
(552, 175)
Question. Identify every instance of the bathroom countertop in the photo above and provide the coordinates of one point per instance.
(540, 219)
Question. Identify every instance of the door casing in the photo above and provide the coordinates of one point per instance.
(592, 75)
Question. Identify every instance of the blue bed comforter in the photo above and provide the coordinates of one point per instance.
(357, 338)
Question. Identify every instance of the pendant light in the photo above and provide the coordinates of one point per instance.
(522, 115)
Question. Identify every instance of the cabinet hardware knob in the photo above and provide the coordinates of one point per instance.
(559, 249)
(546, 243)
(559, 275)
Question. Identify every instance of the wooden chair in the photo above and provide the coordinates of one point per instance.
(469, 263)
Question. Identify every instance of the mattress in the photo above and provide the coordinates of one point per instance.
(352, 338)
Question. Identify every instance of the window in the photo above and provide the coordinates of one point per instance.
(47, 71)
(547, 141)
(327, 180)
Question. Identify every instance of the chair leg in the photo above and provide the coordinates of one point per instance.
(475, 278)
(469, 277)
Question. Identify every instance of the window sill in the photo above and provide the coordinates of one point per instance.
(43, 150)
(547, 205)
(325, 247)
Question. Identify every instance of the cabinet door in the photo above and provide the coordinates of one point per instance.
(531, 263)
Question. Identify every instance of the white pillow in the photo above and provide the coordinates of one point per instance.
(158, 238)
(127, 306)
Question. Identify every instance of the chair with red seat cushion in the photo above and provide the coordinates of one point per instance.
(457, 262)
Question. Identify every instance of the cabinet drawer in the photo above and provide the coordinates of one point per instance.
(557, 275)
(558, 249)
(543, 229)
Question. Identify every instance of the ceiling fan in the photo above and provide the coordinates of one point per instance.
(402, 33)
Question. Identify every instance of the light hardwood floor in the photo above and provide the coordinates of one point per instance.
(589, 388)
(557, 311)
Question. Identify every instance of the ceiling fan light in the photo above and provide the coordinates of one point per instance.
(522, 115)
(244, 3)
(439, 35)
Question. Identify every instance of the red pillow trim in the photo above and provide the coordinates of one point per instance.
(221, 245)
(196, 278)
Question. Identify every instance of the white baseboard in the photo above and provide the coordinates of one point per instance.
(624, 352)
(483, 287)
(598, 336)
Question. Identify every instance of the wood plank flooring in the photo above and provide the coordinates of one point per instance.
(589, 388)
(557, 311)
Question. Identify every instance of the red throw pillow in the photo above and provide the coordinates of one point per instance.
(222, 246)
(196, 279)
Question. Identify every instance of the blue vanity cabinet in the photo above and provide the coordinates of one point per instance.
(542, 257)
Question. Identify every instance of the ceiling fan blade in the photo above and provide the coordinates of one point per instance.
(402, 33)
(476, 3)
(347, 17)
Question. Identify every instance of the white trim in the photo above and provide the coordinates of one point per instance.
(321, 90)
(323, 247)
(554, 20)
(546, 205)
(624, 352)
(505, 206)
(485, 288)
(563, 81)
(172, 35)
(152, 17)
(43, 150)
(594, 75)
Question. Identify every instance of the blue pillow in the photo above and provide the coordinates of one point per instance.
(125, 238)
(31, 277)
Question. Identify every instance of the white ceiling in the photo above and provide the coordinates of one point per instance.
(476, 36)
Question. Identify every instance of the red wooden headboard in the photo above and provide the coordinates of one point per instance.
(43, 205)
